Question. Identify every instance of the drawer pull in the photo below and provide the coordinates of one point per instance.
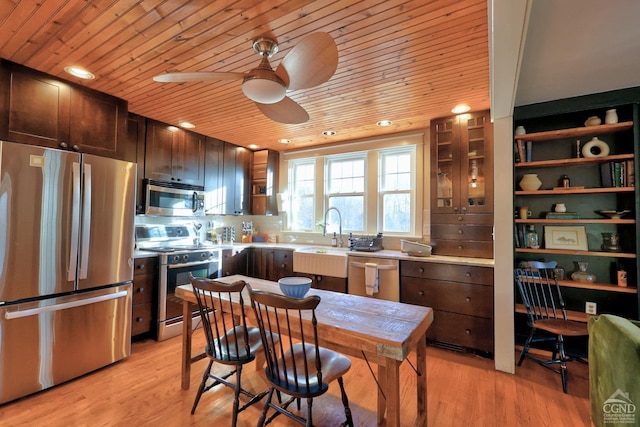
(460, 231)
(467, 331)
(460, 218)
(139, 290)
(421, 293)
(139, 319)
(468, 274)
(283, 265)
(319, 278)
(468, 299)
(464, 209)
(459, 246)
(421, 270)
(140, 266)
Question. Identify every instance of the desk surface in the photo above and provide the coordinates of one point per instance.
(377, 327)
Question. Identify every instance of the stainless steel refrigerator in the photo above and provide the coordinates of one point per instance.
(66, 265)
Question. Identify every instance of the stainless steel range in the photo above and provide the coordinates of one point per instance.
(180, 253)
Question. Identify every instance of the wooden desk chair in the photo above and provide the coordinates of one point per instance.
(229, 340)
(546, 312)
(299, 368)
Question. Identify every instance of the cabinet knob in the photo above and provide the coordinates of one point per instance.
(459, 246)
(460, 218)
(421, 270)
(464, 209)
(63, 145)
(467, 274)
(140, 290)
(460, 231)
(318, 278)
(468, 299)
(76, 148)
(140, 266)
(467, 331)
(421, 293)
(139, 319)
(283, 266)
(455, 209)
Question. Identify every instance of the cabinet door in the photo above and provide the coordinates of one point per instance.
(213, 201)
(243, 181)
(159, 152)
(136, 128)
(476, 160)
(190, 167)
(445, 172)
(98, 123)
(44, 122)
(235, 180)
(282, 264)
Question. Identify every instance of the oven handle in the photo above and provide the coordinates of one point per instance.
(191, 264)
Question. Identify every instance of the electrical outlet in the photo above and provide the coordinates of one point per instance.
(590, 307)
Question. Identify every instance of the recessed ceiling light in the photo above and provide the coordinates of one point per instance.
(186, 125)
(329, 132)
(253, 146)
(460, 108)
(284, 141)
(79, 72)
(384, 123)
(173, 128)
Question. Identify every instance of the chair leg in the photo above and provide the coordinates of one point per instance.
(309, 412)
(525, 349)
(345, 403)
(265, 408)
(236, 397)
(205, 377)
(563, 362)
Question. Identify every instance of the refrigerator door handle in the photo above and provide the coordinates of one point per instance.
(17, 314)
(86, 223)
(75, 220)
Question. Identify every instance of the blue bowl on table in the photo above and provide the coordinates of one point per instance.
(295, 287)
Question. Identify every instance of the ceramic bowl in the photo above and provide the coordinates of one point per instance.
(295, 287)
(614, 214)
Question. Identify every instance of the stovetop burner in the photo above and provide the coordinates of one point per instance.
(161, 249)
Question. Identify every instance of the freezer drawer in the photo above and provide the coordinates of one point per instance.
(48, 342)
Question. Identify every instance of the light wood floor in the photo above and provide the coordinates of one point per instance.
(463, 390)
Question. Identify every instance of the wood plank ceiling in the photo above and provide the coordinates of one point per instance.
(405, 61)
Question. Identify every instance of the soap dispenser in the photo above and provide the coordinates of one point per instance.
(334, 240)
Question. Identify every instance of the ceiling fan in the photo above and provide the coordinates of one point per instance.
(310, 63)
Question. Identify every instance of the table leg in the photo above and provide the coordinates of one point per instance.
(187, 330)
(392, 391)
(421, 385)
(382, 403)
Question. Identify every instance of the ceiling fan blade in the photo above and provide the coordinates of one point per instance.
(197, 77)
(286, 111)
(310, 63)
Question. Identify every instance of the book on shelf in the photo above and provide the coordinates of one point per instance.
(528, 150)
(617, 174)
(521, 154)
(562, 215)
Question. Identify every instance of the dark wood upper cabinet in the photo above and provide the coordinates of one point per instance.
(174, 155)
(235, 180)
(264, 182)
(214, 157)
(40, 110)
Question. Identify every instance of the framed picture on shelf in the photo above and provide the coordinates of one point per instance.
(565, 237)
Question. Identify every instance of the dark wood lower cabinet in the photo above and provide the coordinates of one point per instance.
(145, 282)
(461, 297)
(326, 283)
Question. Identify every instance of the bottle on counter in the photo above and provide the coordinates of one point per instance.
(334, 240)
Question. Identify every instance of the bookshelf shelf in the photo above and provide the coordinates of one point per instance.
(575, 132)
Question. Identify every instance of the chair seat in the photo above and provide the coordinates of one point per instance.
(334, 365)
(562, 327)
(236, 352)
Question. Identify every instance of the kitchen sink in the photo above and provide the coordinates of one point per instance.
(323, 261)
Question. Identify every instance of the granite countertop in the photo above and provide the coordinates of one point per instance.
(385, 253)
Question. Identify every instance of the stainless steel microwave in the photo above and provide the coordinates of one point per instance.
(172, 199)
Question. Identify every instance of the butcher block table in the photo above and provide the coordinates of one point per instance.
(381, 332)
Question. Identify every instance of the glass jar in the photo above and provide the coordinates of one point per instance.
(610, 242)
(533, 240)
(582, 275)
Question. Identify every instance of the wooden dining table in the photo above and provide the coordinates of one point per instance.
(378, 331)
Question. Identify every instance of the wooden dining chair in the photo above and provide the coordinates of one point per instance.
(230, 341)
(546, 315)
(297, 367)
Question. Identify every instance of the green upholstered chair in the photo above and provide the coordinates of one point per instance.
(614, 371)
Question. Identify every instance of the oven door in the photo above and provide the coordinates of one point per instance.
(170, 306)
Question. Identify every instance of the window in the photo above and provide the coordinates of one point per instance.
(302, 185)
(345, 187)
(395, 189)
(376, 189)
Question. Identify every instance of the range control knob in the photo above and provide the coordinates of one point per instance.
(205, 255)
(185, 258)
(175, 259)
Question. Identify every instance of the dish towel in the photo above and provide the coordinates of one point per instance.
(371, 277)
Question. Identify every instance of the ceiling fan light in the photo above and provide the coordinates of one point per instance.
(263, 91)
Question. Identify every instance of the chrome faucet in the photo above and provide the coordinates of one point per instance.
(324, 227)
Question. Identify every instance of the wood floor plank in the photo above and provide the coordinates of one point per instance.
(463, 389)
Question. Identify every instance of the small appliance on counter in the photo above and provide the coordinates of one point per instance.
(366, 243)
(247, 231)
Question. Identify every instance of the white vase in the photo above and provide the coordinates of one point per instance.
(530, 182)
(595, 148)
(560, 208)
(611, 116)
